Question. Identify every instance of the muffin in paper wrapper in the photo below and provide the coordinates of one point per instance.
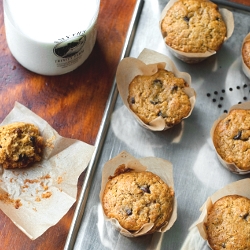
(158, 166)
(198, 57)
(148, 63)
(240, 187)
(230, 165)
(245, 69)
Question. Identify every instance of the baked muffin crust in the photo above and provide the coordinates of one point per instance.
(232, 138)
(137, 198)
(228, 223)
(246, 53)
(194, 26)
(160, 94)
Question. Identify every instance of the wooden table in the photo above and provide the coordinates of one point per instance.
(73, 104)
(244, 2)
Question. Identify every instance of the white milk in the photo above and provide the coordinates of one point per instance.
(51, 37)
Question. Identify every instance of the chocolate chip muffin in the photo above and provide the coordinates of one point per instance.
(228, 223)
(194, 26)
(246, 53)
(161, 94)
(20, 145)
(231, 138)
(136, 198)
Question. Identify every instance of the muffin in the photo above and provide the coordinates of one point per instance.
(231, 138)
(228, 223)
(20, 145)
(137, 198)
(193, 26)
(159, 95)
(246, 53)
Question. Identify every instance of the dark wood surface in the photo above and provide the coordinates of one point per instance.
(73, 104)
(244, 2)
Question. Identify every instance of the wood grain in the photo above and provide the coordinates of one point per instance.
(73, 103)
(244, 2)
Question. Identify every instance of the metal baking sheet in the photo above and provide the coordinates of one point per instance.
(83, 197)
(219, 83)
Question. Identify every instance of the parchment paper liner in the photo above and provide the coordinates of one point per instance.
(230, 166)
(236, 188)
(63, 161)
(158, 166)
(198, 57)
(245, 69)
(148, 63)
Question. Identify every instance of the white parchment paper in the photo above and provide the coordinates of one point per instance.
(37, 197)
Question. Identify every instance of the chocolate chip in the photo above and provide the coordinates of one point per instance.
(237, 137)
(128, 211)
(132, 100)
(186, 19)
(161, 114)
(244, 216)
(22, 157)
(145, 189)
(18, 131)
(174, 89)
(223, 245)
(33, 139)
(154, 101)
(157, 83)
(228, 121)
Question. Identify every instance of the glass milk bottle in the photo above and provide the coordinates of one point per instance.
(51, 37)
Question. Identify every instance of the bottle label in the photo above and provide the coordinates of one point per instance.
(69, 49)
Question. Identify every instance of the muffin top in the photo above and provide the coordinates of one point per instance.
(20, 145)
(194, 26)
(160, 94)
(137, 198)
(246, 53)
(228, 223)
(231, 138)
